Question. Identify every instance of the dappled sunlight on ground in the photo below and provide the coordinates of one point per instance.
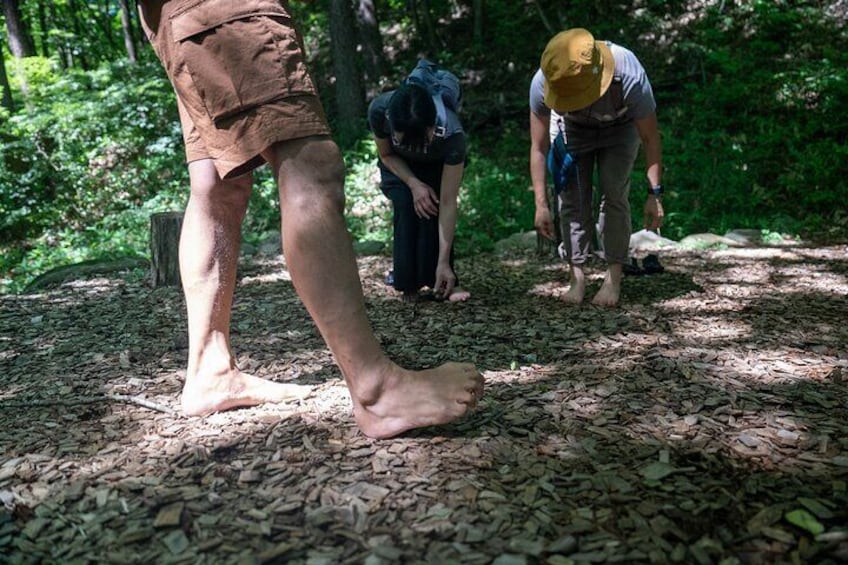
(714, 396)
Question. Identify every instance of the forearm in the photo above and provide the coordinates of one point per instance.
(652, 146)
(399, 167)
(538, 177)
(448, 196)
(653, 162)
(447, 229)
(540, 143)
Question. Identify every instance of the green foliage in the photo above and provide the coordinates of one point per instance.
(760, 140)
(91, 154)
(749, 104)
(368, 211)
(495, 201)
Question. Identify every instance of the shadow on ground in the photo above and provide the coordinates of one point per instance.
(703, 420)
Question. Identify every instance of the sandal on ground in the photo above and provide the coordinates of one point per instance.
(633, 269)
(651, 265)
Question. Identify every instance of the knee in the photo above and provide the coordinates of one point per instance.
(317, 184)
(211, 189)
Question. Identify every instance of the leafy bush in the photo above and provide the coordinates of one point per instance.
(749, 94)
(90, 154)
(760, 140)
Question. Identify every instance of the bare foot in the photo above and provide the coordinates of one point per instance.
(577, 289)
(207, 395)
(459, 295)
(404, 400)
(610, 291)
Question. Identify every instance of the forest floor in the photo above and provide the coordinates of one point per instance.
(703, 421)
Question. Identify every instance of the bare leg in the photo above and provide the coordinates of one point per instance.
(209, 249)
(387, 400)
(611, 289)
(577, 287)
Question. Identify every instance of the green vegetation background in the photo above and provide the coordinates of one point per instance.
(751, 106)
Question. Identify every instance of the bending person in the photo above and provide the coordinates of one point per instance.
(421, 148)
(245, 98)
(597, 96)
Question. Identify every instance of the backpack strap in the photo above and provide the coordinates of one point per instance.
(561, 163)
(441, 113)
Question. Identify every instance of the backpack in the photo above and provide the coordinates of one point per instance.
(442, 85)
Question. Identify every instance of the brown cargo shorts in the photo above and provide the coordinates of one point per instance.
(240, 76)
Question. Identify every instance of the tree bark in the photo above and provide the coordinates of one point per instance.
(371, 41)
(423, 18)
(165, 230)
(350, 95)
(126, 25)
(20, 40)
(74, 16)
(43, 40)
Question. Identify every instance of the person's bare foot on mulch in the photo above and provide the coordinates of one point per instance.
(206, 395)
(459, 294)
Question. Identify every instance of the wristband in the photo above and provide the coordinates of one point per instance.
(656, 190)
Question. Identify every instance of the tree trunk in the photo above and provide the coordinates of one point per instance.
(371, 41)
(165, 230)
(8, 103)
(74, 16)
(478, 23)
(20, 40)
(545, 20)
(350, 95)
(43, 39)
(126, 25)
(423, 17)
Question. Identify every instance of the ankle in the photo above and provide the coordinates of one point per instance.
(368, 387)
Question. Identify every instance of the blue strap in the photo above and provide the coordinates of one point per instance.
(561, 163)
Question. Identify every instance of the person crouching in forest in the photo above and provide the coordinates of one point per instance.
(591, 102)
(422, 150)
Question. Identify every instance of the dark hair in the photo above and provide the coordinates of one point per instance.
(411, 112)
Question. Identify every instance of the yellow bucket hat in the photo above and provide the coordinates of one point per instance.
(578, 70)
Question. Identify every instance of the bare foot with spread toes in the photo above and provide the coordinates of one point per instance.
(234, 389)
(403, 400)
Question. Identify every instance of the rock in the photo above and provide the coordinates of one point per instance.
(517, 242)
(745, 236)
(369, 247)
(93, 267)
(272, 244)
(247, 249)
(643, 241)
(705, 240)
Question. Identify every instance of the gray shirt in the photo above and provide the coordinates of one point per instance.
(636, 94)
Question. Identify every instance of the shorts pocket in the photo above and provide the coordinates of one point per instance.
(239, 55)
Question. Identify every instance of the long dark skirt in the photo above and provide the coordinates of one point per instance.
(416, 240)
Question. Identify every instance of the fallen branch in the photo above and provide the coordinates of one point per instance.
(137, 400)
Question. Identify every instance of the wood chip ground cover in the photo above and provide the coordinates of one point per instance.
(704, 421)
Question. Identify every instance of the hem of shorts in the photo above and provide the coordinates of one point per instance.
(241, 163)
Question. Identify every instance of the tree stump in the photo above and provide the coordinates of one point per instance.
(164, 248)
